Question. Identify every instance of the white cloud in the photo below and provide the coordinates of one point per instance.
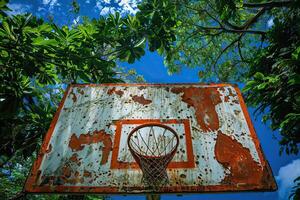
(129, 5)
(87, 1)
(51, 3)
(17, 8)
(98, 5)
(41, 9)
(104, 11)
(270, 22)
(286, 176)
(123, 6)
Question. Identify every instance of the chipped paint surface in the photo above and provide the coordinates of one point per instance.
(85, 149)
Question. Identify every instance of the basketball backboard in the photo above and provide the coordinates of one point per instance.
(86, 151)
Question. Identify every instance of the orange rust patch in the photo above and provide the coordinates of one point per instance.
(204, 101)
(75, 159)
(226, 99)
(87, 174)
(141, 100)
(76, 143)
(74, 98)
(49, 149)
(113, 90)
(233, 156)
(80, 91)
(66, 171)
(75, 180)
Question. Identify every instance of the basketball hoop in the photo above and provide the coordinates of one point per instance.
(153, 146)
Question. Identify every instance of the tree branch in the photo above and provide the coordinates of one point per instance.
(247, 24)
(240, 51)
(269, 5)
(223, 51)
(231, 30)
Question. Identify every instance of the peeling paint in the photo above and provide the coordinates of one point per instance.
(238, 160)
(66, 171)
(74, 158)
(76, 143)
(204, 102)
(141, 100)
(231, 96)
(85, 149)
(74, 97)
(87, 174)
(113, 90)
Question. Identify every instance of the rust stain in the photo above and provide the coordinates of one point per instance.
(141, 87)
(233, 156)
(113, 90)
(75, 180)
(49, 149)
(77, 143)
(267, 179)
(231, 94)
(204, 101)
(87, 173)
(141, 100)
(236, 112)
(39, 172)
(66, 171)
(182, 176)
(75, 159)
(74, 98)
(80, 91)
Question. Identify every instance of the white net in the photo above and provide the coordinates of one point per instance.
(153, 146)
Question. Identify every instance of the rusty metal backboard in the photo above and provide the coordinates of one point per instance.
(85, 149)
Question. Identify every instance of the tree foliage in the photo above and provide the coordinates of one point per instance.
(216, 36)
(276, 79)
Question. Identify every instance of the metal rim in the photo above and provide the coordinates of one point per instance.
(151, 125)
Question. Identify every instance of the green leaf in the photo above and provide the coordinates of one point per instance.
(154, 44)
(262, 86)
(44, 42)
(131, 58)
(139, 52)
(259, 76)
(141, 42)
(249, 85)
(8, 30)
(84, 76)
(294, 80)
(44, 28)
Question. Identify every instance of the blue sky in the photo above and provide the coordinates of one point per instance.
(285, 168)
